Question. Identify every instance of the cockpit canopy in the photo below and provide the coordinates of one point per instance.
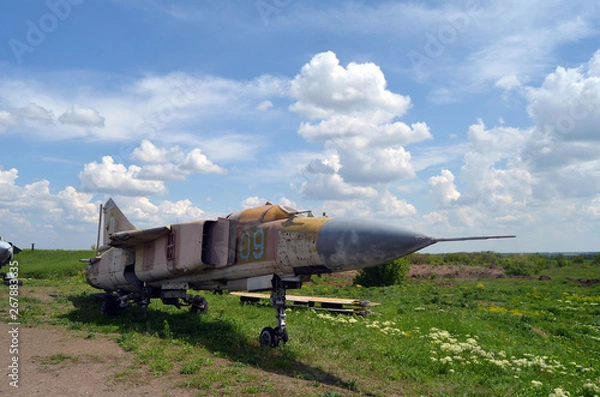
(266, 213)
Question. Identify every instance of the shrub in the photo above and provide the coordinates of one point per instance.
(560, 260)
(524, 265)
(457, 258)
(578, 260)
(394, 272)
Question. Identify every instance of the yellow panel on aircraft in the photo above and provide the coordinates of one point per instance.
(275, 213)
(253, 214)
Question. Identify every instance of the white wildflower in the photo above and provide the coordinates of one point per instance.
(500, 363)
(559, 392)
(451, 348)
(446, 359)
(591, 388)
(536, 383)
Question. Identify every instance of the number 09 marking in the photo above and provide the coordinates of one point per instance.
(252, 244)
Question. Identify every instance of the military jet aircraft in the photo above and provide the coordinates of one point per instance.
(267, 248)
(7, 250)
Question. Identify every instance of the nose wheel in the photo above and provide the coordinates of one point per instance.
(270, 337)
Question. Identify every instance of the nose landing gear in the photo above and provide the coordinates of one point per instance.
(270, 337)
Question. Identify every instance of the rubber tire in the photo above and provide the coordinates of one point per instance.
(109, 306)
(268, 338)
(201, 307)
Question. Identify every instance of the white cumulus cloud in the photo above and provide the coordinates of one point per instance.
(567, 105)
(32, 213)
(148, 153)
(84, 117)
(354, 114)
(30, 114)
(253, 201)
(35, 113)
(565, 142)
(113, 178)
(381, 204)
(390, 205)
(333, 187)
(196, 162)
(172, 163)
(144, 213)
(377, 165)
(324, 88)
(442, 188)
(159, 166)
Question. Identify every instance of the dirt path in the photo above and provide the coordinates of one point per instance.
(64, 363)
(53, 362)
(454, 271)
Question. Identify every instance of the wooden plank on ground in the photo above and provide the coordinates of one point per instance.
(339, 305)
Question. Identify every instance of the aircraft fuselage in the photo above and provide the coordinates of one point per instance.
(272, 247)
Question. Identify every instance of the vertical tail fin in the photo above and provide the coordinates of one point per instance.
(114, 221)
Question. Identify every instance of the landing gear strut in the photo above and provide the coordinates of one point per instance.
(112, 302)
(270, 337)
(109, 305)
(198, 304)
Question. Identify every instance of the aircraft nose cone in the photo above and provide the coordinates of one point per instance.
(345, 244)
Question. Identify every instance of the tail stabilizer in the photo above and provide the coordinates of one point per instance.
(114, 221)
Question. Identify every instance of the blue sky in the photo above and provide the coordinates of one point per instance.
(449, 118)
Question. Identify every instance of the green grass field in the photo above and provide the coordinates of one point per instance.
(440, 337)
(51, 264)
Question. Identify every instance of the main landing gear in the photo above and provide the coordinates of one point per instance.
(270, 337)
(113, 302)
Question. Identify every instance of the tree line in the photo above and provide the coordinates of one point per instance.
(396, 272)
